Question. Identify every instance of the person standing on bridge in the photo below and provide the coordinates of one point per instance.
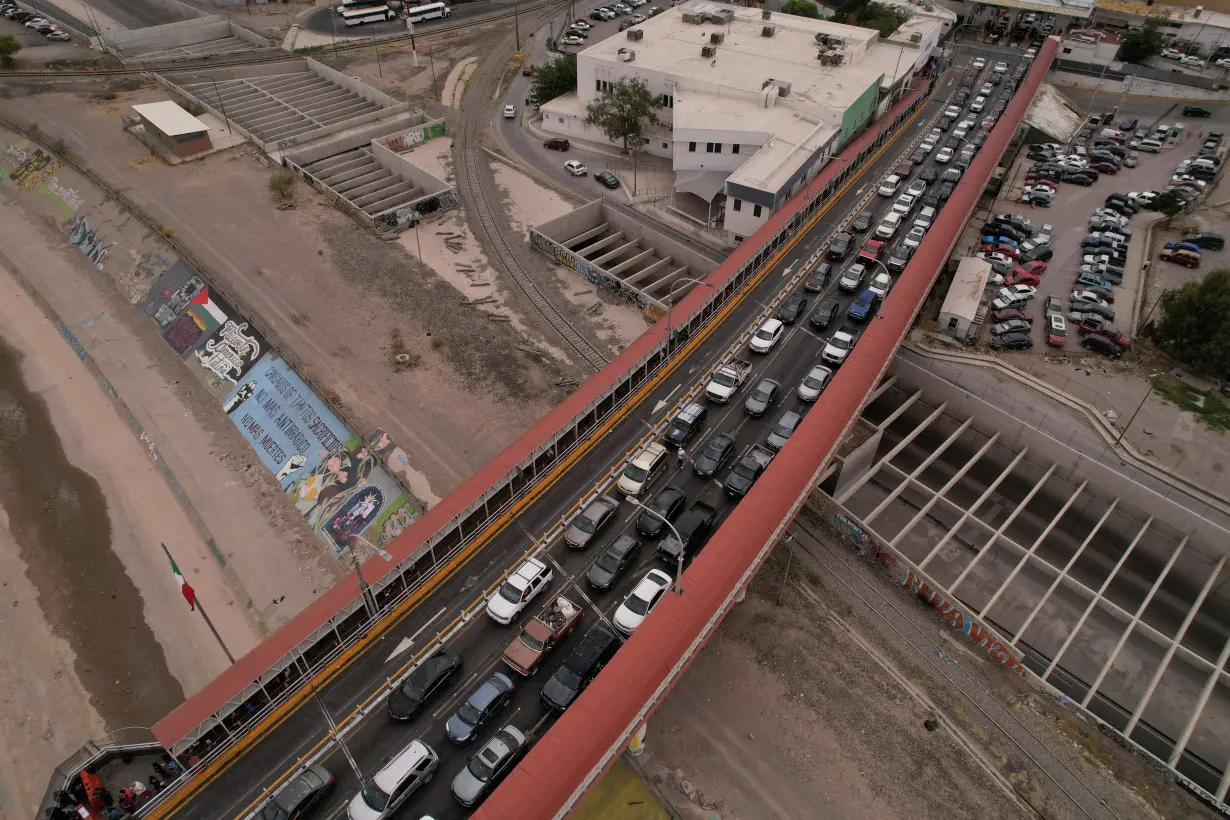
(680, 458)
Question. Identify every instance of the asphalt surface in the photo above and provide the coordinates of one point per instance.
(481, 641)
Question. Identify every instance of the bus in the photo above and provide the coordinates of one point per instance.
(371, 14)
(431, 11)
(351, 5)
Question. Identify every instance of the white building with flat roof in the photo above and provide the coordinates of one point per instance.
(753, 103)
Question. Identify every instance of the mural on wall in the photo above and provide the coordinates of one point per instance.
(332, 476)
(396, 461)
(596, 277)
(414, 137)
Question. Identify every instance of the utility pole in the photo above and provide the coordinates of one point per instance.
(517, 23)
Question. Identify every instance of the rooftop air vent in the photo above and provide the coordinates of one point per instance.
(626, 55)
(716, 37)
(915, 37)
(766, 14)
(636, 34)
(768, 31)
(693, 18)
(708, 52)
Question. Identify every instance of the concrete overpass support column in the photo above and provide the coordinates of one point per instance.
(1215, 675)
(973, 509)
(1032, 549)
(1002, 529)
(1093, 602)
(1064, 572)
(952, 482)
(912, 477)
(905, 442)
(1140, 610)
(1214, 576)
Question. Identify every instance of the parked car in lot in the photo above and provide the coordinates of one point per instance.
(1206, 240)
(1098, 344)
(1056, 330)
(1012, 341)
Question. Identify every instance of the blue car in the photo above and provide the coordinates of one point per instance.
(862, 307)
(1090, 281)
(1183, 246)
(1092, 241)
(1129, 124)
(991, 239)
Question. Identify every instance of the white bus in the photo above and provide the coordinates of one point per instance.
(351, 5)
(431, 11)
(371, 14)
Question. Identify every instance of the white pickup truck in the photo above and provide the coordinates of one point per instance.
(839, 345)
(727, 381)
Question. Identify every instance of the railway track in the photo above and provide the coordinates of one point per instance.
(476, 186)
(392, 39)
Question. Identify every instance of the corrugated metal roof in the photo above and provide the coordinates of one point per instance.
(170, 119)
(967, 288)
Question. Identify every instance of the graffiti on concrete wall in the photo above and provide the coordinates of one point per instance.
(398, 463)
(415, 136)
(950, 610)
(331, 475)
(35, 170)
(89, 241)
(603, 281)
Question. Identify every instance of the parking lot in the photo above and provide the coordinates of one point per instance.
(1069, 217)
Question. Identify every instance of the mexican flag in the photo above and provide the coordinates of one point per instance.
(184, 587)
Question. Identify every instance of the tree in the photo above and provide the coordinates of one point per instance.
(1195, 324)
(1168, 203)
(801, 8)
(1139, 44)
(882, 17)
(554, 79)
(624, 111)
(8, 48)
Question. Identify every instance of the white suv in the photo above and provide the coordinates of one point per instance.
(401, 777)
(518, 589)
(645, 465)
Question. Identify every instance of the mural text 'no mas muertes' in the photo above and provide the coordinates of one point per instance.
(331, 475)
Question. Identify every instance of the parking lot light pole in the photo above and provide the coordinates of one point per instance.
(678, 561)
(670, 303)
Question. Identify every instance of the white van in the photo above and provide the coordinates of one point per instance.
(411, 769)
(645, 466)
(889, 225)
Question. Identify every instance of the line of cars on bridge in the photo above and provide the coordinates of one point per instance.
(677, 528)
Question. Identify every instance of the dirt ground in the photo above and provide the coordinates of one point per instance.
(814, 694)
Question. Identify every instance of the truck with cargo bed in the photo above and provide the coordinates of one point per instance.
(727, 380)
(542, 634)
(693, 527)
(747, 469)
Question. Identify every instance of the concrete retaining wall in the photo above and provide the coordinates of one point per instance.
(382, 132)
(351, 84)
(1134, 86)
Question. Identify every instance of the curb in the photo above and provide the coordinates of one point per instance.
(144, 439)
(1096, 420)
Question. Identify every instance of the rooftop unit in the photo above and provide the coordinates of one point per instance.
(693, 18)
(708, 51)
(626, 55)
(716, 37)
(768, 31)
(635, 34)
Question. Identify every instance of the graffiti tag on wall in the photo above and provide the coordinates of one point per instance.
(595, 276)
(90, 242)
(949, 610)
(416, 136)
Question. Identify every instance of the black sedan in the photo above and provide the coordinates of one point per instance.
(613, 561)
(424, 683)
(818, 279)
(1206, 240)
(607, 179)
(929, 174)
(715, 455)
(839, 246)
(824, 313)
(1100, 344)
(863, 221)
(1012, 341)
(299, 796)
(664, 507)
(792, 308)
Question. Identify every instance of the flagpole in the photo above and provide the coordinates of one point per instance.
(201, 609)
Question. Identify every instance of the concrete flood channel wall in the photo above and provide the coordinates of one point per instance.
(369, 163)
(133, 44)
(331, 474)
(960, 618)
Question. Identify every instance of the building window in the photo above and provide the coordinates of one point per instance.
(738, 206)
(668, 101)
(755, 210)
(734, 149)
(665, 146)
(692, 147)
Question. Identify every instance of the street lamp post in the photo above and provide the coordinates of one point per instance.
(369, 599)
(675, 532)
(670, 304)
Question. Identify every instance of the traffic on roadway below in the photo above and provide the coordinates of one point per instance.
(589, 561)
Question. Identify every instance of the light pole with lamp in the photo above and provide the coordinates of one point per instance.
(670, 304)
(369, 599)
(674, 532)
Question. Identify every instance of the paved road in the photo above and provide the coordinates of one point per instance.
(131, 14)
(481, 641)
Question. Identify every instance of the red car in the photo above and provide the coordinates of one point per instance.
(1104, 330)
(1006, 250)
(1020, 277)
(527, 69)
(1004, 315)
(1056, 330)
(871, 249)
(903, 170)
(1037, 266)
(1104, 168)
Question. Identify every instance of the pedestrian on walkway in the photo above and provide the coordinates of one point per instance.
(681, 457)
